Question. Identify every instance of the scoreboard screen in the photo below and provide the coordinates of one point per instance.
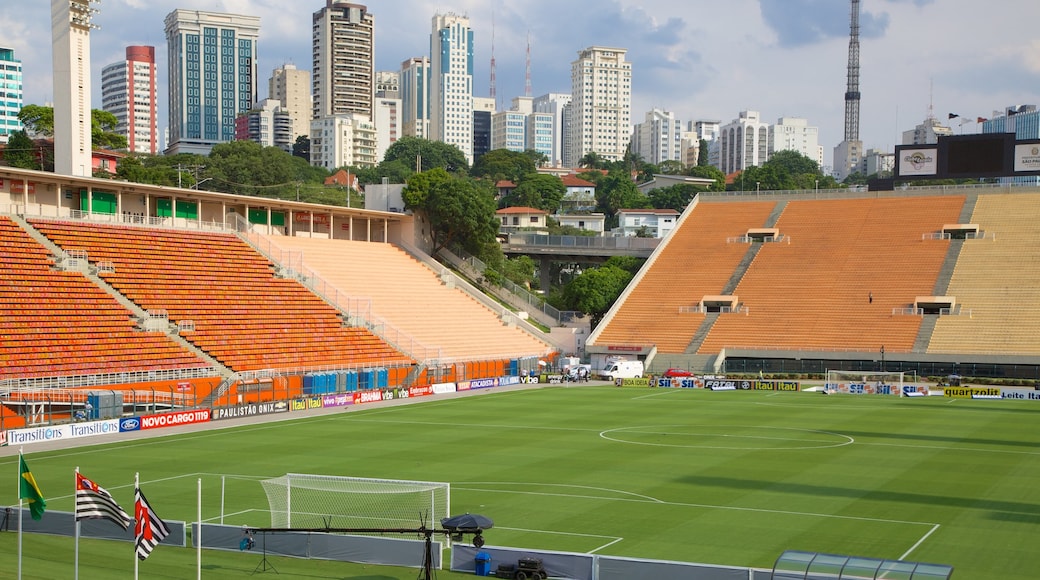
(984, 155)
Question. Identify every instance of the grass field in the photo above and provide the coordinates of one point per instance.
(730, 478)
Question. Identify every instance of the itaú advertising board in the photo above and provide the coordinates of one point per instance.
(62, 432)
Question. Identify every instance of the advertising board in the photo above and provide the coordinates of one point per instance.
(248, 410)
(175, 419)
(62, 432)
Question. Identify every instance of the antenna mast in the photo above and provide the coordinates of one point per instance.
(493, 58)
(852, 94)
(527, 75)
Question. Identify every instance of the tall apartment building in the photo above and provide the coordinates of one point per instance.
(11, 91)
(128, 91)
(291, 87)
(347, 141)
(743, 143)
(268, 124)
(451, 82)
(795, 134)
(388, 124)
(344, 74)
(554, 104)
(659, 137)
(601, 104)
(344, 82)
(212, 76)
(70, 56)
(414, 90)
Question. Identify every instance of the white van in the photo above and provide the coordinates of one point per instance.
(622, 369)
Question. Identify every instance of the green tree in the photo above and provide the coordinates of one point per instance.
(709, 172)
(431, 153)
(675, 197)
(102, 130)
(37, 120)
(302, 148)
(539, 159)
(702, 154)
(595, 290)
(499, 164)
(519, 270)
(21, 151)
(617, 191)
(537, 190)
(592, 160)
(671, 167)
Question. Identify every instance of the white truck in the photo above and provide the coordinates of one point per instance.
(622, 369)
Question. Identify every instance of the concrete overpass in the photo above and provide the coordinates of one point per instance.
(575, 249)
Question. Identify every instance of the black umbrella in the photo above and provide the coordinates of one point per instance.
(467, 522)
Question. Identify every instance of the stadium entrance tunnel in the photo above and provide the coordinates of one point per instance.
(743, 437)
(797, 565)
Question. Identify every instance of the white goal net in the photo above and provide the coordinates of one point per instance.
(319, 501)
(865, 382)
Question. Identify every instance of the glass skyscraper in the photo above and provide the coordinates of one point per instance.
(10, 93)
(212, 76)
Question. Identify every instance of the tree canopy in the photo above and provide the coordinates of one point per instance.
(39, 121)
(431, 153)
(536, 190)
(500, 164)
(461, 211)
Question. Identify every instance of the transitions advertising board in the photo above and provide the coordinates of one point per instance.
(62, 432)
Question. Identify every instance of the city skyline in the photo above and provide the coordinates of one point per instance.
(784, 58)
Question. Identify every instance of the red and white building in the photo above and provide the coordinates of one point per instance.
(128, 91)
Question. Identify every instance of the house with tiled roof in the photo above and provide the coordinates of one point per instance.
(655, 222)
(580, 195)
(517, 218)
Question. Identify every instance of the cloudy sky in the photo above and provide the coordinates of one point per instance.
(701, 59)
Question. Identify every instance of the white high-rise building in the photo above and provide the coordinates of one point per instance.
(387, 123)
(12, 87)
(451, 82)
(346, 141)
(70, 52)
(601, 105)
(291, 87)
(343, 74)
(414, 90)
(927, 133)
(212, 76)
(268, 124)
(553, 104)
(658, 138)
(128, 91)
(795, 134)
(743, 143)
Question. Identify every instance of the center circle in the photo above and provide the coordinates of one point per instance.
(744, 437)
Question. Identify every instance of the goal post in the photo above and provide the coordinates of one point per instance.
(315, 501)
(866, 382)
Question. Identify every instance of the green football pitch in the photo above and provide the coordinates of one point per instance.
(732, 478)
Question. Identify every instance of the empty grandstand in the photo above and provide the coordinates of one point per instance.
(924, 280)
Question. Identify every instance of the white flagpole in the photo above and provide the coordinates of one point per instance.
(138, 525)
(20, 461)
(75, 574)
(198, 540)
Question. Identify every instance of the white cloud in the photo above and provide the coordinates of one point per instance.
(698, 58)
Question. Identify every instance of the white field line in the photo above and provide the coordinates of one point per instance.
(919, 542)
(658, 394)
(637, 499)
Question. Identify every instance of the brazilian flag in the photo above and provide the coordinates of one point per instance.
(28, 490)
